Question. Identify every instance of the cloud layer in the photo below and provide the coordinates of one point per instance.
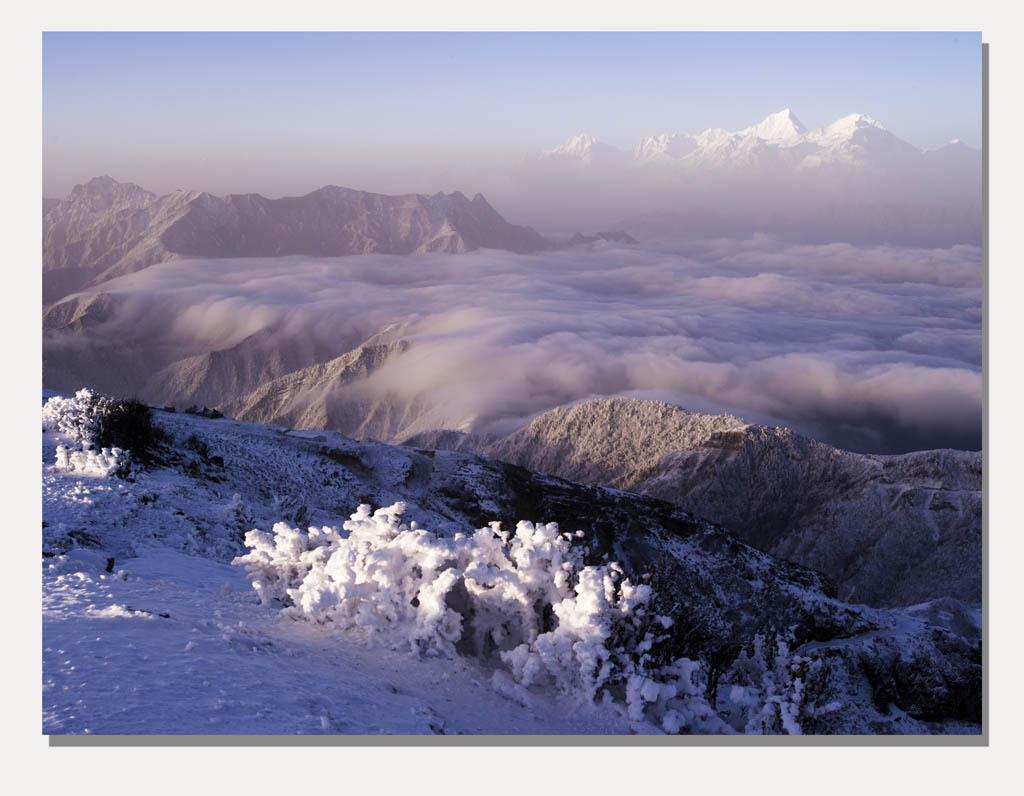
(872, 348)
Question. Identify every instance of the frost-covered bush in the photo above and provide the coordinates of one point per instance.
(107, 434)
(75, 417)
(237, 515)
(769, 692)
(79, 419)
(525, 602)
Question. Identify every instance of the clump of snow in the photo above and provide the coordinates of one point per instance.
(525, 603)
(87, 461)
(116, 611)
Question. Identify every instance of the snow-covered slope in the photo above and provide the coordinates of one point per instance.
(105, 228)
(148, 628)
(858, 140)
(603, 442)
(782, 128)
(889, 530)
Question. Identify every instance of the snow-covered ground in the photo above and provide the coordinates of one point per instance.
(175, 643)
(418, 618)
(173, 639)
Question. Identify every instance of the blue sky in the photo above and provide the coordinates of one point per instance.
(261, 111)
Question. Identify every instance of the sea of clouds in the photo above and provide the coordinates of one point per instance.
(873, 348)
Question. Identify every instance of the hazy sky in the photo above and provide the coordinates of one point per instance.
(285, 113)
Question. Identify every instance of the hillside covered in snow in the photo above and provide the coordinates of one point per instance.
(231, 577)
(888, 530)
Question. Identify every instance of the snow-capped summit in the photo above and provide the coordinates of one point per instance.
(664, 146)
(844, 129)
(860, 142)
(766, 144)
(577, 145)
(782, 128)
(780, 141)
(585, 150)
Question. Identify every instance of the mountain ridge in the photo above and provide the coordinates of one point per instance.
(105, 229)
(888, 529)
(779, 140)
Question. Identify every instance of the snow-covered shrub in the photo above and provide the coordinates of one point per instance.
(524, 601)
(79, 419)
(674, 699)
(237, 516)
(75, 417)
(107, 435)
(769, 691)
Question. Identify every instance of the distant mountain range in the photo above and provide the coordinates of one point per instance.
(105, 229)
(780, 142)
(852, 181)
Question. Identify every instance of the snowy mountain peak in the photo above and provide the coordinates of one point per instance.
(664, 146)
(585, 149)
(852, 123)
(778, 143)
(779, 128)
(575, 145)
